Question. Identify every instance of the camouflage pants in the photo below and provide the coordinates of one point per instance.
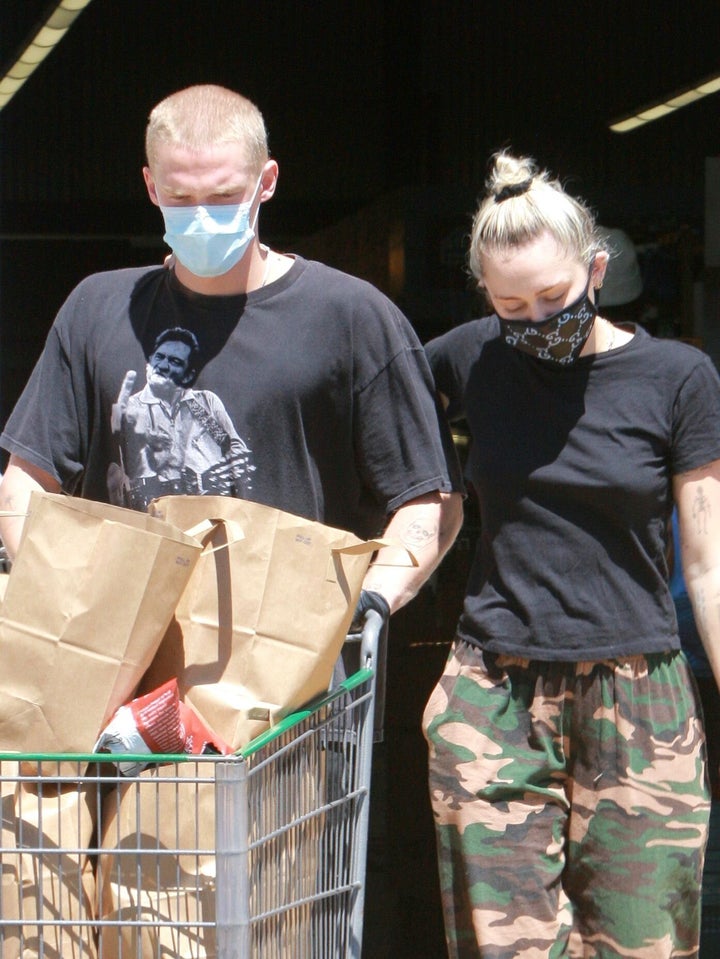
(571, 806)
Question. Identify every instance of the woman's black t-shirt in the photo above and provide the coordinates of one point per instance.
(573, 469)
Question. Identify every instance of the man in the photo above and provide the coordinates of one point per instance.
(318, 372)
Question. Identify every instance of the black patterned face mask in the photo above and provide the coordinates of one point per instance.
(558, 338)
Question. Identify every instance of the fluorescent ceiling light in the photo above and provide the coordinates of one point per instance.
(661, 108)
(709, 86)
(49, 34)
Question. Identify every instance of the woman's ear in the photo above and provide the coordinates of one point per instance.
(599, 267)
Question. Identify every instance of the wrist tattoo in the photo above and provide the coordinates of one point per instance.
(701, 512)
(701, 612)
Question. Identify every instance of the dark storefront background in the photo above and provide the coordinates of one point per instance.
(382, 116)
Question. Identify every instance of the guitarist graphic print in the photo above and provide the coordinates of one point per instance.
(171, 437)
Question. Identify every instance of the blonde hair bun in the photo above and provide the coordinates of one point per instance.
(521, 203)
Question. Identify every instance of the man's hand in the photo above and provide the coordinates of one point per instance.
(369, 600)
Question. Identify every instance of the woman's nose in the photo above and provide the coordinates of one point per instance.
(537, 313)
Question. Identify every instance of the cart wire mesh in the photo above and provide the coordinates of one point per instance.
(260, 854)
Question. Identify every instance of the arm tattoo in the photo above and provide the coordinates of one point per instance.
(701, 512)
(418, 534)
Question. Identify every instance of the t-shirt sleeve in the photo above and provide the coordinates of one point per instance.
(696, 419)
(49, 425)
(447, 356)
(403, 441)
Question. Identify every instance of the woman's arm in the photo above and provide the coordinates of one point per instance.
(697, 495)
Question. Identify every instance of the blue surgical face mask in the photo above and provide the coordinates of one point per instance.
(210, 240)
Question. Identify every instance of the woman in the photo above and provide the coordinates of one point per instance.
(566, 754)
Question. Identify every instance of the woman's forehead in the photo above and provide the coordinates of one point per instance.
(540, 264)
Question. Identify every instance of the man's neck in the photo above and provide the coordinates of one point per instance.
(244, 277)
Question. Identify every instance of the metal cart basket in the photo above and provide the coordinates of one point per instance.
(261, 854)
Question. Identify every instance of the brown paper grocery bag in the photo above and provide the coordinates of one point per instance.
(262, 621)
(88, 599)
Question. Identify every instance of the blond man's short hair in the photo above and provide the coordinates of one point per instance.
(205, 116)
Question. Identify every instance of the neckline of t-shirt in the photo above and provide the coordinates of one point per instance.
(582, 363)
(628, 345)
(233, 299)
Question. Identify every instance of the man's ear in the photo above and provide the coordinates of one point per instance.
(150, 185)
(268, 180)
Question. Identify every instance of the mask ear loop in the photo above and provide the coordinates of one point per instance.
(596, 287)
(252, 200)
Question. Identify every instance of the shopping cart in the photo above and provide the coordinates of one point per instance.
(261, 854)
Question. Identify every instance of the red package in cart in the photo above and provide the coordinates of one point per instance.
(157, 722)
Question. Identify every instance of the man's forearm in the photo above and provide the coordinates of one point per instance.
(18, 483)
(424, 528)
